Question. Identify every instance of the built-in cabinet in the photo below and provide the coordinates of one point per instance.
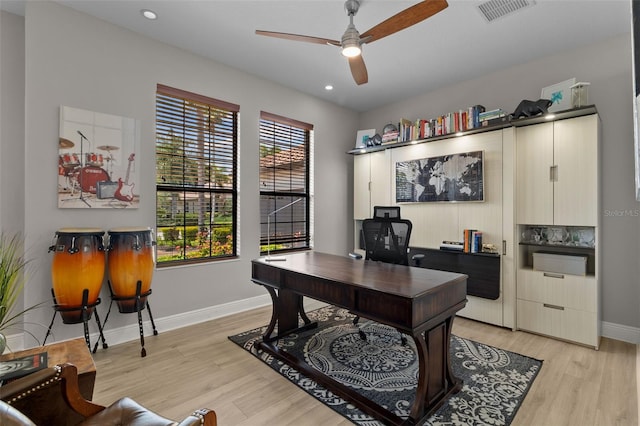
(557, 210)
(542, 198)
(434, 222)
(371, 187)
(371, 183)
(557, 165)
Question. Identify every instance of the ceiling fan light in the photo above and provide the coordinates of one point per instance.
(351, 51)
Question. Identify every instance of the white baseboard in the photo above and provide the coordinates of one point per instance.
(130, 332)
(621, 332)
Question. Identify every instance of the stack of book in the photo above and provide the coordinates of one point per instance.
(452, 245)
(472, 242)
(495, 116)
(390, 137)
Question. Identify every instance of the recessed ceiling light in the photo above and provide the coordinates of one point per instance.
(149, 14)
(328, 87)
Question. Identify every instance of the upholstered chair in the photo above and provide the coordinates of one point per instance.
(124, 412)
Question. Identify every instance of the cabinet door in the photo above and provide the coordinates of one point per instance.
(361, 183)
(380, 179)
(371, 183)
(575, 195)
(534, 158)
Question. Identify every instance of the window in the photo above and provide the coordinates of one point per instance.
(196, 177)
(284, 183)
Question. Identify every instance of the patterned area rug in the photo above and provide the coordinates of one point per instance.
(385, 370)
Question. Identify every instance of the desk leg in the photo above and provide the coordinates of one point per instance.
(435, 380)
(287, 307)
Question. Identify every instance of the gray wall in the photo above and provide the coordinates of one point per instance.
(12, 122)
(607, 66)
(76, 60)
(12, 167)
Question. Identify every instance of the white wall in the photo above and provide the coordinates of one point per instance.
(78, 61)
(607, 66)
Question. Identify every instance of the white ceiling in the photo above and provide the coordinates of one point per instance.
(454, 45)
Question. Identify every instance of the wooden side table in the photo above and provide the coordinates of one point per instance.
(73, 351)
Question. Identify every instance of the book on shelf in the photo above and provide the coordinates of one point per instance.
(494, 113)
(406, 128)
(476, 242)
(22, 366)
(452, 245)
(442, 125)
(390, 137)
(494, 121)
(468, 239)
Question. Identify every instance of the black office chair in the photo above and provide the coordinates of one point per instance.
(386, 239)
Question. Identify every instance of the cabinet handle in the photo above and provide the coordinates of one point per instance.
(504, 247)
(560, 308)
(553, 173)
(550, 275)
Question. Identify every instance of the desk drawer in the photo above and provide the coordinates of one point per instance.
(564, 323)
(569, 291)
(320, 289)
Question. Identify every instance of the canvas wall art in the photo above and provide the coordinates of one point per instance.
(97, 156)
(454, 177)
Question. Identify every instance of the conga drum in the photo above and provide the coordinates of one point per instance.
(78, 264)
(130, 259)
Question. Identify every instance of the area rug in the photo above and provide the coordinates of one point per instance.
(385, 371)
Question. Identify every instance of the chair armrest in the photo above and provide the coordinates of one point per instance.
(417, 258)
(203, 416)
(71, 392)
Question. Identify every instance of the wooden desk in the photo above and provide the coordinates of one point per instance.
(73, 351)
(419, 302)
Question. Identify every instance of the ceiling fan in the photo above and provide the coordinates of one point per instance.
(352, 41)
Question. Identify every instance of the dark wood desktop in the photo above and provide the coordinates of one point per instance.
(419, 302)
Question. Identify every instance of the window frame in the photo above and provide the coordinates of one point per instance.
(209, 190)
(288, 197)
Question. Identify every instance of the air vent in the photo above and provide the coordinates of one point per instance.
(494, 9)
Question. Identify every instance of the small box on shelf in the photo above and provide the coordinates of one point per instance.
(572, 264)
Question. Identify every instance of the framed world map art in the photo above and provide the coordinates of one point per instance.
(453, 177)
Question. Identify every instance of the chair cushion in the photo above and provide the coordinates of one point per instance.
(9, 416)
(127, 412)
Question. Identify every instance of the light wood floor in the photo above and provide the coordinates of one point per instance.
(197, 366)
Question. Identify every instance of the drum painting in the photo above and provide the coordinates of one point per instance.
(78, 264)
(90, 176)
(131, 259)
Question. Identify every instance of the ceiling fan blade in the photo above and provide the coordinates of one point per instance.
(358, 70)
(408, 17)
(297, 37)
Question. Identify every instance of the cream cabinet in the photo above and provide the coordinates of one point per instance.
(371, 183)
(559, 305)
(557, 210)
(557, 177)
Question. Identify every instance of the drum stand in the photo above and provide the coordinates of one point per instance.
(139, 305)
(82, 162)
(85, 316)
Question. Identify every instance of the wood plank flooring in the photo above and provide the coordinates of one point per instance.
(197, 366)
